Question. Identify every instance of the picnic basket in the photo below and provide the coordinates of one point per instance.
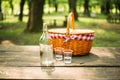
(79, 40)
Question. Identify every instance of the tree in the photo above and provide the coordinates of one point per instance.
(1, 14)
(35, 21)
(86, 7)
(72, 7)
(55, 5)
(21, 10)
(11, 5)
(49, 3)
(106, 6)
(117, 6)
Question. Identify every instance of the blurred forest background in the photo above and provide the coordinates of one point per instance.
(21, 20)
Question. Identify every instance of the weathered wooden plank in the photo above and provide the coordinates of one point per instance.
(95, 50)
(99, 73)
(19, 59)
(98, 57)
(19, 48)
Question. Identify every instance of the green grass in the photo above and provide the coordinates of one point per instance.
(105, 34)
(13, 30)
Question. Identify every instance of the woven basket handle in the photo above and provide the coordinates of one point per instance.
(70, 16)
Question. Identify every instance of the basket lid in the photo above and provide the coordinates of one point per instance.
(75, 31)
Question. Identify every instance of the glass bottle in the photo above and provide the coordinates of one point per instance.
(46, 51)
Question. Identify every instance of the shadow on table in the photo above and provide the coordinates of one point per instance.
(85, 58)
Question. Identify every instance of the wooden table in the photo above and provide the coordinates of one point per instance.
(23, 62)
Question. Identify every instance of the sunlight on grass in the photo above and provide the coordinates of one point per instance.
(106, 37)
(100, 31)
(29, 39)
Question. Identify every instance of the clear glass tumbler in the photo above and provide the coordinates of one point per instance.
(67, 55)
(58, 53)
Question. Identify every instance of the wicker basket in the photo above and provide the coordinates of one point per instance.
(80, 41)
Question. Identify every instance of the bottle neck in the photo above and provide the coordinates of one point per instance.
(45, 30)
(45, 34)
(45, 27)
(44, 37)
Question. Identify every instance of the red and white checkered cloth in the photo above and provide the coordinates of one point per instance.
(85, 37)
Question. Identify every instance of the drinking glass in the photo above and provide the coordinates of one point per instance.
(58, 53)
(67, 55)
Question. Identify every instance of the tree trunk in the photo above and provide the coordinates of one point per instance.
(35, 21)
(28, 23)
(1, 14)
(55, 5)
(72, 7)
(11, 6)
(117, 6)
(49, 3)
(86, 8)
(21, 10)
(102, 9)
(108, 7)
